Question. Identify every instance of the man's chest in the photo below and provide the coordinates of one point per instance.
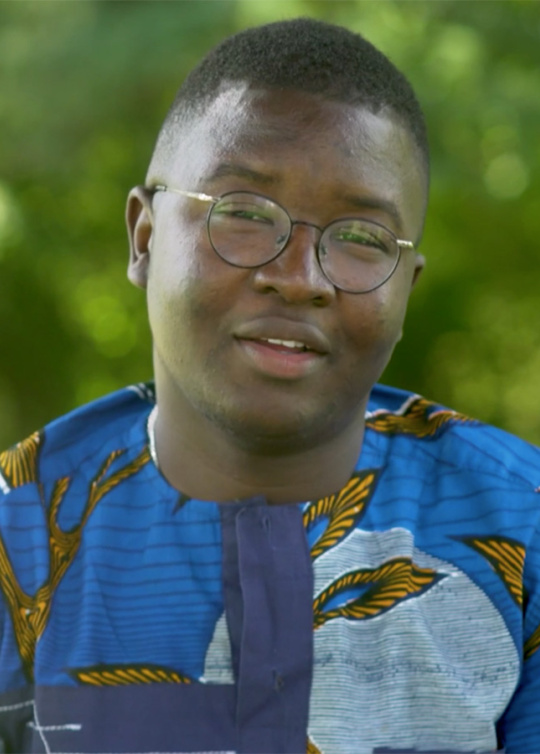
(285, 625)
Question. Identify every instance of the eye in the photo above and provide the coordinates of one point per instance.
(362, 237)
(243, 211)
(356, 234)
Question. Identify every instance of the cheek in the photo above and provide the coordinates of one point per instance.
(173, 268)
(177, 253)
(393, 309)
(375, 323)
(395, 296)
(180, 256)
(186, 287)
(378, 321)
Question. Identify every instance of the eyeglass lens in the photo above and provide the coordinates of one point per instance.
(247, 230)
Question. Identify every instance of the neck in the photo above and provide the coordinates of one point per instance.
(204, 462)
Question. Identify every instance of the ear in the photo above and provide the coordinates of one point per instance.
(419, 264)
(140, 225)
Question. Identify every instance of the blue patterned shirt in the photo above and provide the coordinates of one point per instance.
(401, 613)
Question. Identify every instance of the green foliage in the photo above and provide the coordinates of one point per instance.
(85, 87)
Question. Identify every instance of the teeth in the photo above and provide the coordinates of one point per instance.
(286, 343)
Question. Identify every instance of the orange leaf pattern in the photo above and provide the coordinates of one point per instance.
(18, 464)
(126, 675)
(311, 748)
(418, 417)
(380, 590)
(532, 644)
(343, 510)
(506, 557)
(30, 613)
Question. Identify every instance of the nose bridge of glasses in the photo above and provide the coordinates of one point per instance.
(304, 222)
(304, 252)
(315, 242)
(296, 270)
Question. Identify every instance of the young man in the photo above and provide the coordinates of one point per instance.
(268, 553)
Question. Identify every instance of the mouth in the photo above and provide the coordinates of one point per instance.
(282, 350)
(286, 346)
(287, 335)
(280, 359)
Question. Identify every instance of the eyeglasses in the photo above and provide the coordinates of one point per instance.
(248, 230)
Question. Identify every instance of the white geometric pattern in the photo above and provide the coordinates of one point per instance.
(434, 672)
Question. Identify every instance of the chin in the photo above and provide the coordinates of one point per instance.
(279, 430)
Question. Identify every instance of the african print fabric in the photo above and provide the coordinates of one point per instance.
(400, 614)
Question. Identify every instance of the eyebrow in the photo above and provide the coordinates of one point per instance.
(228, 169)
(368, 202)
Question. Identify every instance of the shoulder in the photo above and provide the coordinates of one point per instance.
(50, 484)
(416, 429)
(63, 445)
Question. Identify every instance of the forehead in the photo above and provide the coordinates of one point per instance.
(294, 139)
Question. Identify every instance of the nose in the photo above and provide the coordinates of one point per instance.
(295, 274)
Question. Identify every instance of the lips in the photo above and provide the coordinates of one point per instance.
(285, 334)
(282, 349)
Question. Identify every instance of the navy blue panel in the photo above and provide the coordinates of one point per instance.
(431, 751)
(16, 710)
(154, 718)
(276, 650)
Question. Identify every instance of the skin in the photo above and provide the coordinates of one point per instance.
(235, 418)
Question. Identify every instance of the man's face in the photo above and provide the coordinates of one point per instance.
(211, 322)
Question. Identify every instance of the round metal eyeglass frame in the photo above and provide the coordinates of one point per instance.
(400, 243)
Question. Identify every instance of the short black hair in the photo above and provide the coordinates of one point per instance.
(304, 54)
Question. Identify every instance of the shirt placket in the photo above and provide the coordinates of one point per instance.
(269, 606)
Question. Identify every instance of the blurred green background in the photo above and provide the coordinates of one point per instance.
(85, 86)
